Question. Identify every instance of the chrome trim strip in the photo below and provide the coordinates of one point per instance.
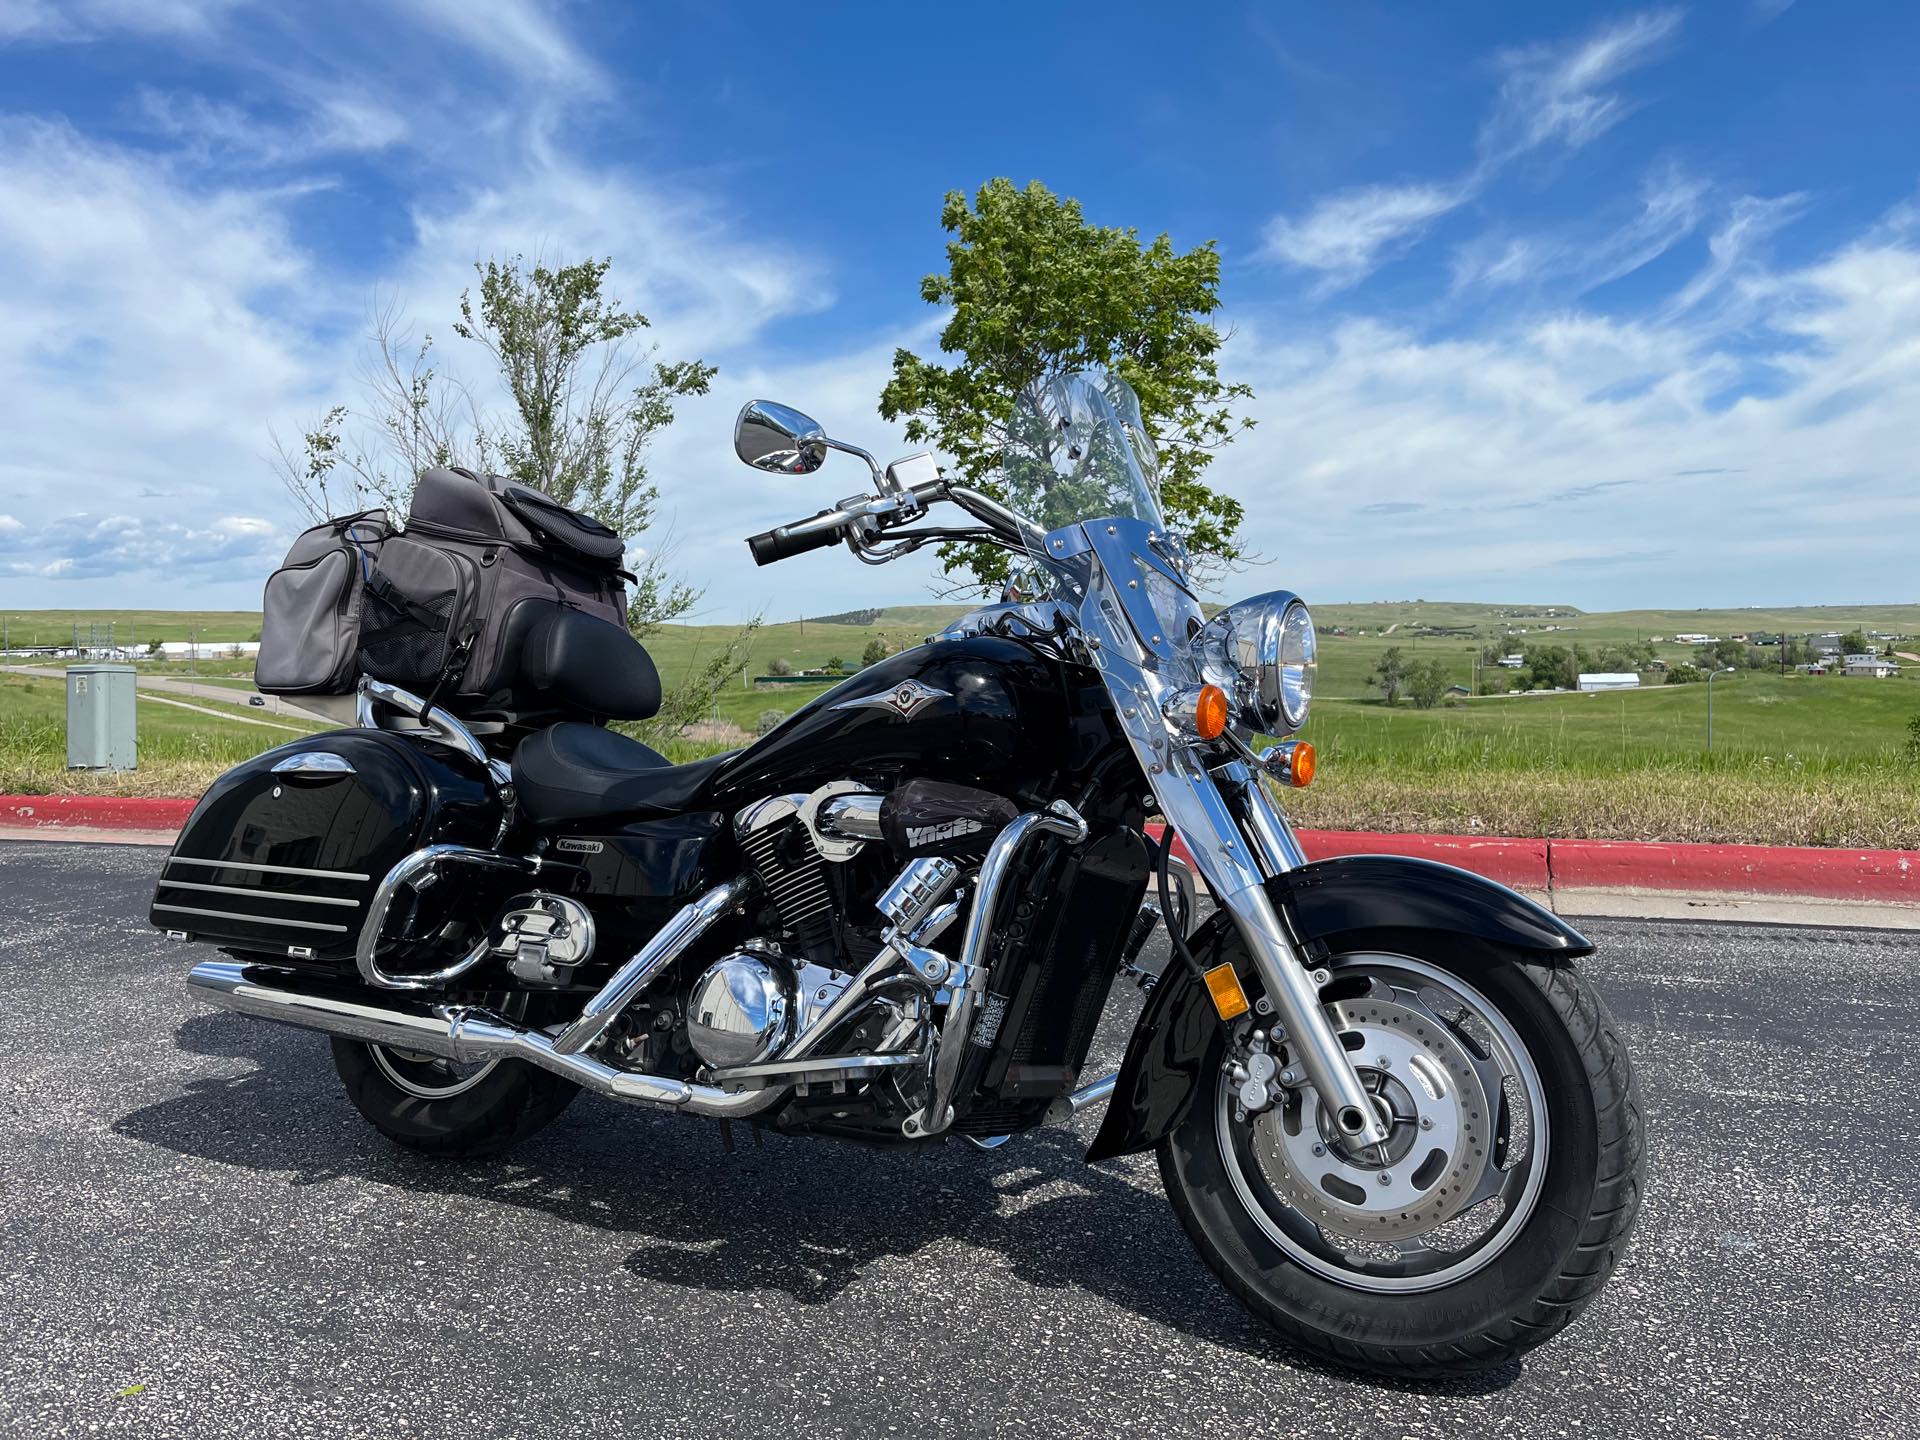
(253, 919)
(269, 869)
(314, 762)
(256, 892)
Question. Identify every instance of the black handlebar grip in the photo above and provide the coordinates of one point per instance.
(782, 544)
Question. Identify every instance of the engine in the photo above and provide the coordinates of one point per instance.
(824, 860)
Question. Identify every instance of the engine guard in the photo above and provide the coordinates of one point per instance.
(1333, 902)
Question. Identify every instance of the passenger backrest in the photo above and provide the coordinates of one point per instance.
(572, 661)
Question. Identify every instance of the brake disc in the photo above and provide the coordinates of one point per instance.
(1425, 1086)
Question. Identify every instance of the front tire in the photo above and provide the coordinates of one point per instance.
(1503, 1198)
(440, 1108)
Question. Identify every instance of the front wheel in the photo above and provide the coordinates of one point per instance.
(1494, 1211)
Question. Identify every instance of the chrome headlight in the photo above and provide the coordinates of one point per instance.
(1263, 653)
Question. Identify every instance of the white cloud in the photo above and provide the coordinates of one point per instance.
(1549, 96)
(1345, 236)
(1559, 95)
(521, 36)
(1575, 457)
(71, 20)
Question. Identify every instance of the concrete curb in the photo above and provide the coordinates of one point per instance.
(1552, 867)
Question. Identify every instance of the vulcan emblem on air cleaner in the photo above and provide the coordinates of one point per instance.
(907, 699)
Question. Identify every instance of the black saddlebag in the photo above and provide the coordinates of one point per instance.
(282, 855)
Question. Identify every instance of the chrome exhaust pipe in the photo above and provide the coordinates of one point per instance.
(459, 1033)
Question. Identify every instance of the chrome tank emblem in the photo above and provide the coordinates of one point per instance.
(907, 699)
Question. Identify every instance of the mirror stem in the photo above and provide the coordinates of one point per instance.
(880, 477)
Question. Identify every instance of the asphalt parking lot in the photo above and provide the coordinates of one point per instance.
(203, 1239)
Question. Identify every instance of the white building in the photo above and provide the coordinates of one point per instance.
(207, 649)
(1610, 680)
(1512, 662)
(1871, 666)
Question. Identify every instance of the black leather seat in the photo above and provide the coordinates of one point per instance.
(573, 771)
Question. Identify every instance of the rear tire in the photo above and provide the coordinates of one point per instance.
(1564, 1238)
(436, 1109)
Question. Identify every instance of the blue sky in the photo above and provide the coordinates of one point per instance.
(1599, 305)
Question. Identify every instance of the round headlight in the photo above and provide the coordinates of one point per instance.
(1263, 653)
(1299, 659)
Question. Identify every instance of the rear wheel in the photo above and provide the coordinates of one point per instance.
(1494, 1211)
(448, 1107)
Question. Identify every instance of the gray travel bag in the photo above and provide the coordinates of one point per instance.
(437, 607)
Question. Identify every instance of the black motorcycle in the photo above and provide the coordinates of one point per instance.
(1392, 1116)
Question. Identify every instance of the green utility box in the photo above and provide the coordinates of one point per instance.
(100, 723)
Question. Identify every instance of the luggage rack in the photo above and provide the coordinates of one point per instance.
(437, 723)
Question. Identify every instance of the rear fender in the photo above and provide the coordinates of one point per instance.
(1336, 904)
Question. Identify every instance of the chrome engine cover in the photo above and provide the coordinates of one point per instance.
(748, 1006)
(740, 1010)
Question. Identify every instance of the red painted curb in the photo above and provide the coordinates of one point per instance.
(95, 812)
(1808, 872)
(1521, 864)
(1756, 869)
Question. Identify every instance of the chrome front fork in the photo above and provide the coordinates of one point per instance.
(1238, 882)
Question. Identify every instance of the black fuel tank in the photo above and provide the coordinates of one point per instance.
(980, 711)
(283, 852)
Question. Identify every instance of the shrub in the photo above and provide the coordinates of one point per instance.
(1684, 675)
(767, 721)
(780, 666)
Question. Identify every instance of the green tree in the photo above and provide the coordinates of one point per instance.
(875, 652)
(1855, 642)
(1427, 682)
(586, 399)
(768, 721)
(834, 666)
(1551, 667)
(1036, 292)
(1684, 674)
(779, 665)
(1390, 674)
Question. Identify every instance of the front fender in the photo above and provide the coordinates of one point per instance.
(1334, 902)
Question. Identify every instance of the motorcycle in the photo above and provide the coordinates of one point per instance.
(1391, 1115)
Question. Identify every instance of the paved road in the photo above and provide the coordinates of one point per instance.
(228, 697)
(188, 1204)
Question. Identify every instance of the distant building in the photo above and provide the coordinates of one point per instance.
(1697, 639)
(1610, 680)
(1871, 666)
(1513, 662)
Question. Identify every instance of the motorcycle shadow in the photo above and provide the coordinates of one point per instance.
(806, 1219)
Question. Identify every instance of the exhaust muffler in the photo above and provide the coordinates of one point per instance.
(458, 1033)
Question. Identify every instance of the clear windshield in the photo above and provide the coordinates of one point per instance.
(1077, 450)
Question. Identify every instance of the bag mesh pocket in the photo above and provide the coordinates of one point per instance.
(405, 641)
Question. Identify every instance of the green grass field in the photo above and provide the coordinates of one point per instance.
(1796, 759)
(181, 750)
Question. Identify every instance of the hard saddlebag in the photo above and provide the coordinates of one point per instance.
(311, 613)
(452, 593)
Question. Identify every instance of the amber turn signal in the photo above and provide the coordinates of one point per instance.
(1210, 712)
(1291, 762)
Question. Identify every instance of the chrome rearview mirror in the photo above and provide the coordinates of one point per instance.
(772, 437)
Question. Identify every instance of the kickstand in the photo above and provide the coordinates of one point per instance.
(726, 1135)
